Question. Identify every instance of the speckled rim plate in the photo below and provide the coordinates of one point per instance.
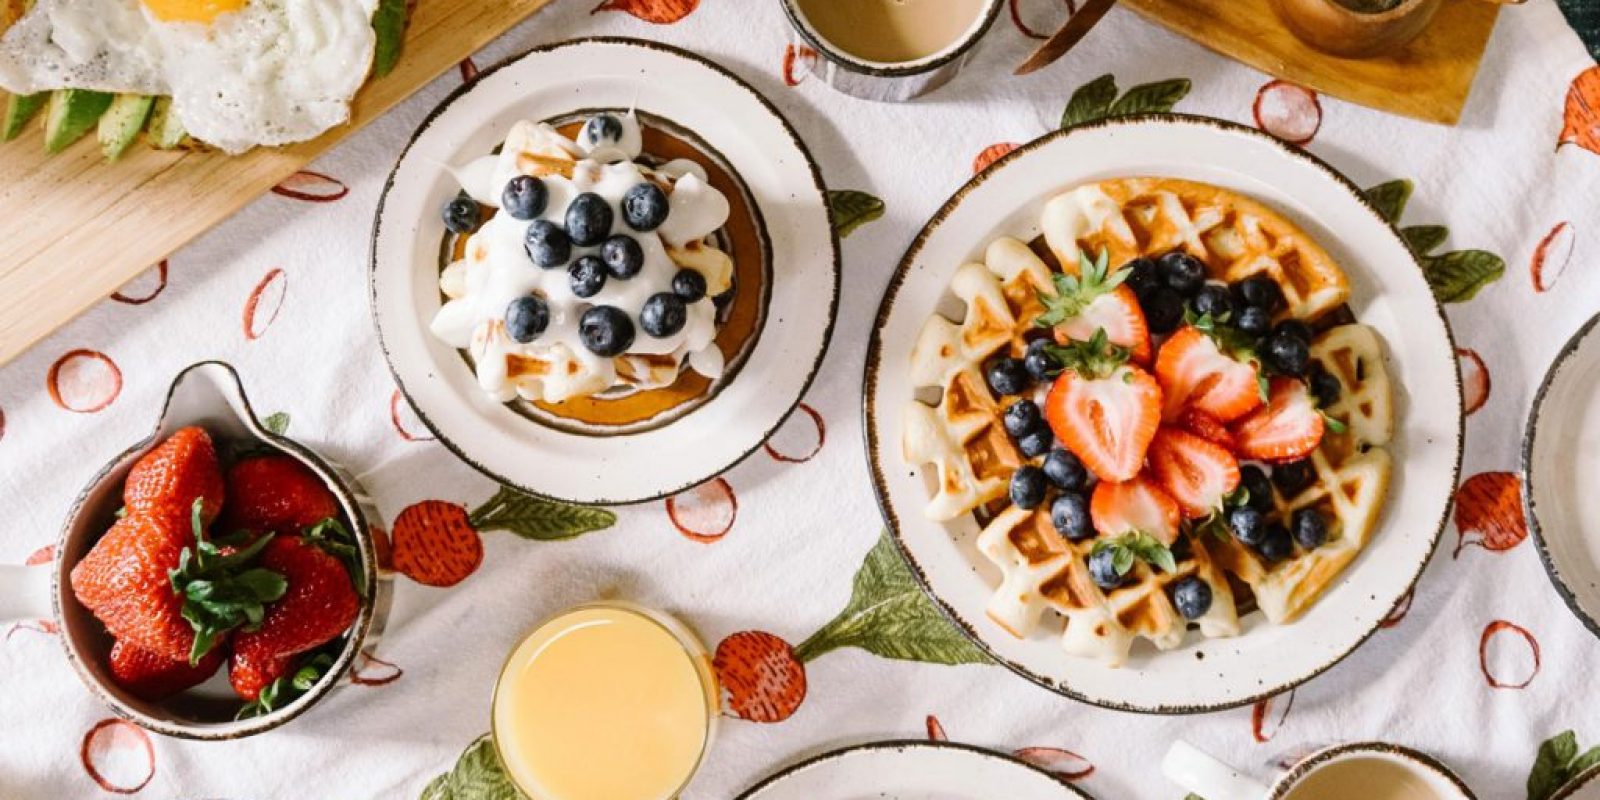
(1557, 473)
(1388, 293)
(912, 769)
(757, 143)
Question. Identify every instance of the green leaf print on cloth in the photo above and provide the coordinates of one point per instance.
(477, 775)
(538, 519)
(1098, 99)
(1455, 276)
(852, 209)
(1557, 763)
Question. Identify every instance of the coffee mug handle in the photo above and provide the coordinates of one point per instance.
(24, 592)
(1202, 774)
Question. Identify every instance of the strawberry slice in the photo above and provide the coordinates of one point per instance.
(1194, 372)
(1287, 428)
(1206, 427)
(1092, 301)
(1196, 472)
(1103, 409)
(1134, 505)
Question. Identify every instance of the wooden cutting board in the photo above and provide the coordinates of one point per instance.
(1429, 78)
(75, 228)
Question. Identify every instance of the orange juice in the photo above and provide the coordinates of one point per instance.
(605, 702)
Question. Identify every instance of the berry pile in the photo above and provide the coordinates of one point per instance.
(179, 596)
(1168, 403)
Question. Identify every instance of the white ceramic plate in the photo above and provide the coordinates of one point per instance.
(758, 146)
(1560, 466)
(1388, 293)
(912, 770)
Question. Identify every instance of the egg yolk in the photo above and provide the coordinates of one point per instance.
(201, 11)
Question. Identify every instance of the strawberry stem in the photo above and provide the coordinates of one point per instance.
(219, 593)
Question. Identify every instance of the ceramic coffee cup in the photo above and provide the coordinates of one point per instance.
(207, 394)
(892, 82)
(1420, 775)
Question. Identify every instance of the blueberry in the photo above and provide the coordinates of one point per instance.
(1286, 354)
(1065, 470)
(1041, 365)
(663, 315)
(524, 197)
(1027, 486)
(1036, 442)
(1143, 276)
(644, 207)
(689, 284)
(1183, 272)
(1022, 418)
(547, 244)
(1103, 569)
(1259, 487)
(1192, 597)
(1163, 310)
(603, 129)
(1006, 376)
(588, 219)
(1295, 328)
(623, 256)
(461, 215)
(526, 318)
(1290, 478)
(1214, 301)
(606, 331)
(1275, 545)
(1260, 291)
(587, 276)
(1324, 386)
(1070, 515)
(1248, 524)
(1309, 527)
(1252, 320)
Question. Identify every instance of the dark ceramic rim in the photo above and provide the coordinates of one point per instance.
(875, 354)
(1286, 784)
(961, 47)
(794, 138)
(901, 745)
(1569, 789)
(1529, 511)
(357, 633)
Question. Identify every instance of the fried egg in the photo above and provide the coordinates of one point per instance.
(241, 73)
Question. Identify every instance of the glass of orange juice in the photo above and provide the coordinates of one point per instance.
(606, 701)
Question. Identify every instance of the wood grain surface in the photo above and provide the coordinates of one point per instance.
(1428, 79)
(76, 228)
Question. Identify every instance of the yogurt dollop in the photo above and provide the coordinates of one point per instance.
(497, 270)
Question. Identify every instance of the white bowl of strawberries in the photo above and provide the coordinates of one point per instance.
(216, 579)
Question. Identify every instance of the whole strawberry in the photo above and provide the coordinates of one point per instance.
(276, 493)
(320, 604)
(152, 676)
(169, 479)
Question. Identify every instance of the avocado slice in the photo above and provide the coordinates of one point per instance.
(164, 131)
(19, 109)
(72, 113)
(389, 24)
(122, 123)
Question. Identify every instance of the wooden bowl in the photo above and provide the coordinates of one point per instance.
(1337, 30)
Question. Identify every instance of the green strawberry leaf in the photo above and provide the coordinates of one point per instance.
(1390, 198)
(289, 688)
(1091, 101)
(1074, 293)
(536, 518)
(1092, 360)
(1552, 767)
(1136, 545)
(888, 615)
(1333, 423)
(389, 25)
(477, 775)
(1151, 98)
(1424, 239)
(277, 423)
(1458, 275)
(218, 593)
(852, 209)
(337, 541)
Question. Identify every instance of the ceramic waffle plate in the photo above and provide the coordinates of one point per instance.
(723, 120)
(1388, 293)
(912, 770)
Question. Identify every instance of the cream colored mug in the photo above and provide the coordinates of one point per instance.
(1369, 770)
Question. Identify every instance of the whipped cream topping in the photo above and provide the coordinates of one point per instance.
(497, 269)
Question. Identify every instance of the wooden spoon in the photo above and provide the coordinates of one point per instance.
(1063, 40)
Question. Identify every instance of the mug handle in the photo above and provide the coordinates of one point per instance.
(24, 592)
(1202, 774)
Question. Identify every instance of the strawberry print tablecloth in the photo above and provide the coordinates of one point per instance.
(822, 638)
